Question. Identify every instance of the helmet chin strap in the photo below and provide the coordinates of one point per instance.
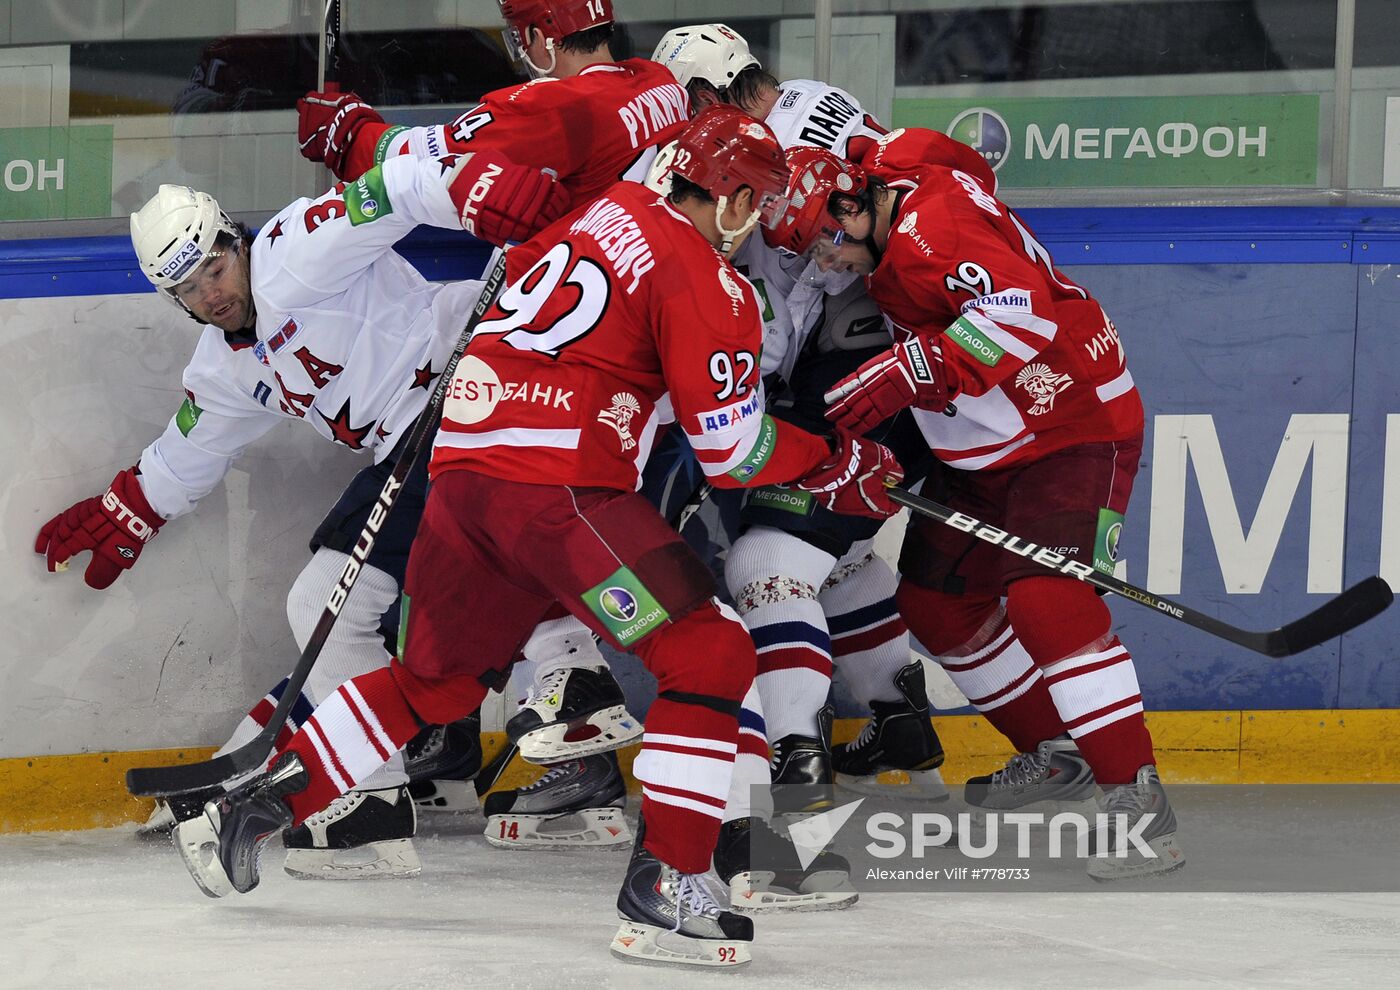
(730, 236)
(534, 69)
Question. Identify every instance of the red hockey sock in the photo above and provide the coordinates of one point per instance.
(349, 736)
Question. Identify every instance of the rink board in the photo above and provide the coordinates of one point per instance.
(1244, 747)
(1262, 342)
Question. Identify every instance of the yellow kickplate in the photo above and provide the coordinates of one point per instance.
(1349, 746)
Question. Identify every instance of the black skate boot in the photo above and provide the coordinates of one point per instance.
(578, 803)
(899, 736)
(673, 917)
(221, 848)
(765, 873)
(360, 835)
(441, 761)
(801, 767)
(171, 811)
(572, 712)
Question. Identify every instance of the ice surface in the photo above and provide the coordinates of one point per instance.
(103, 909)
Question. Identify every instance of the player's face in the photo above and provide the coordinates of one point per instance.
(219, 292)
(847, 250)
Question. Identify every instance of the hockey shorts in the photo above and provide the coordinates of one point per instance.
(1071, 501)
(493, 556)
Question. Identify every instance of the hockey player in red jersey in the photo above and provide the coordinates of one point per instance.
(622, 314)
(1045, 442)
(588, 118)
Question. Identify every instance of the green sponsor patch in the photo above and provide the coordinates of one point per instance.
(965, 334)
(1106, 540)
(187, 416)
(367, 199)
(763, 294)
(759, 453)
(403, 625)
(784, 499)
(625, 607)
(381, 149)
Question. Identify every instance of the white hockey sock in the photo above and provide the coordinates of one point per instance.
(563, 642)
(354, 645)
(869, 640)
(774, 577)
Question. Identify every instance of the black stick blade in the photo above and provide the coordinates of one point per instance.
(1359, 603)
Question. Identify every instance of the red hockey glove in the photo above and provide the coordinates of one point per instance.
(114, 527)
(326, 126)
(854, 478)
(500, 201)
(908, 374)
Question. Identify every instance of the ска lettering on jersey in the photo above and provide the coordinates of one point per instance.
(620, 238)
(653, 111)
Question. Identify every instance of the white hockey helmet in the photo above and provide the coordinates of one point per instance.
(712, 52)
(175, 232)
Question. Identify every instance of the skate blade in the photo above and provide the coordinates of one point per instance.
(1169, 859)
(753, 893)
(159, 826)
(445, 795)
(198, 842)
(390, 859)
(602, 732)
(1086, 808)
(635, 942)
(913, 785)
(589, 827)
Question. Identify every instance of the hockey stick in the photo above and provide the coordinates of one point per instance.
(1348, 610)
(163, 781)
(328, 52)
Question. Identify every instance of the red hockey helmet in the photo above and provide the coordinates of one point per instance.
(807, 223)
(555, 19)
(724, 149)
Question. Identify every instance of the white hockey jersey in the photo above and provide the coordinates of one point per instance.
(349, 338)
(807, 113)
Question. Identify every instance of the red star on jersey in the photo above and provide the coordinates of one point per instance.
(381, 434)
(447, 163)
(342, 431)
(423, 377)
(275, 232)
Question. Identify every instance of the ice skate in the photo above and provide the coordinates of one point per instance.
(171, 811)
(222, 847)
(1125, 806)
(578, 803)
(897, 744)
(779, 882)
(572, 712)
(1053, 779)
(441, 761)
(360, 835)
(801, 769)
(674, 918)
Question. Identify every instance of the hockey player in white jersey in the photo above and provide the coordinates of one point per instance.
(316, 319)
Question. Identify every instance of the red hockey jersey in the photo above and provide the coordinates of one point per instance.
(615, 319)
(592, 129)
(1038, 364)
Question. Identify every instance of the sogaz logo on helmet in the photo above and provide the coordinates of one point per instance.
(618, 603)
(179, 265)
(986, 132)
